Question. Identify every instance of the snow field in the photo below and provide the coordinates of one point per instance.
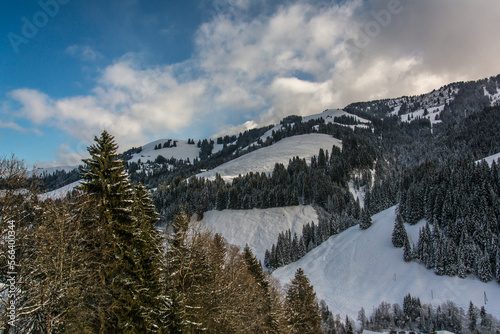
(264, 159)
(433, 112)
(182, 151)
(60, 192)
(328, 115)
(258, 227)
(358, 268)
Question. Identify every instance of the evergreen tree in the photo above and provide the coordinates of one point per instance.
(301, 306)
(266, 308)
(128, 250)
(362, 318)
(178, 267)
(472, 316)
(399, 233)
(484, 268)
(407, 250)
(149, 254)
(366, 220)
(411, 307)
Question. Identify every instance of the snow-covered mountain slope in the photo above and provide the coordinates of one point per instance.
(182, 150)
(60, 192)
(258, 227)
(329, 117)
(264, 159)
(461, 97)
(44, 171)
(330, 114)
(358, 268)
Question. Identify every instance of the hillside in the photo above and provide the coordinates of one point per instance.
(182, 150)
(362, 268)
(459, 99)
(258, 227)
(264, 159)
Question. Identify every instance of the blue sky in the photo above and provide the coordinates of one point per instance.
(153, 69)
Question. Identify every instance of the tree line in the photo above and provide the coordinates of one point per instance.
(415, 316)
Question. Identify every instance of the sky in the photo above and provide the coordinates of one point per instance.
(151, 69)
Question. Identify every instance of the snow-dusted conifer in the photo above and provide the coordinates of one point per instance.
(301, 306)
(129, 252)
(399, 232)
(366, 220)
(484, 268)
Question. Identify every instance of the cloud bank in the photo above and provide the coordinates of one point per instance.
(256, 64)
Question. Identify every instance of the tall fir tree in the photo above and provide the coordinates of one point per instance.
(127, 251)
(484, 267)
(301, 306)
(366, 220)
(399, 233)
(472, 315)
(179, 270)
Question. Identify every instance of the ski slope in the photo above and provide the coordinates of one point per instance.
(358, 268)
(264, 159)
(258, 227)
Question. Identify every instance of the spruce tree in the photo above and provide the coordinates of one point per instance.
(126, 250)
(407, 249)
(484, 267)
(266, 308)
(301, 306)
(366, 220)
(178, 267)
(472, 316)
(399, 233)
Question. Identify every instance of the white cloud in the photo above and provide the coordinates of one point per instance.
(85, 53)
(36, 106)
(296, 59)
(14, 126)
(133, 104)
